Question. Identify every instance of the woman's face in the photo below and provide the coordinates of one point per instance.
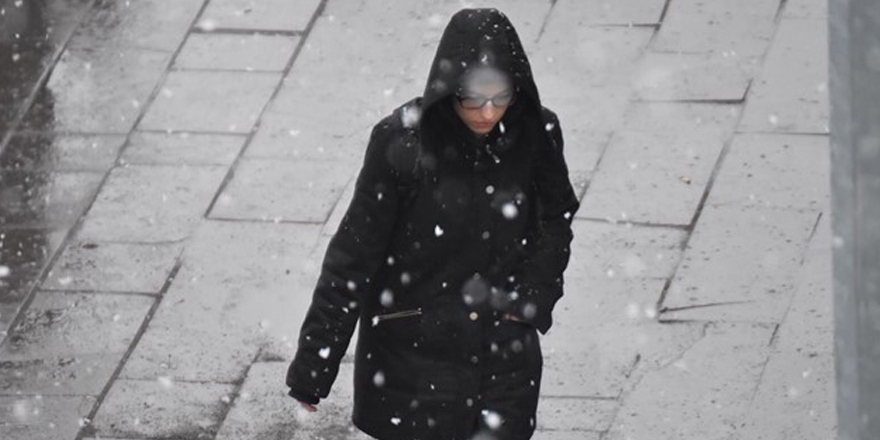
(495, 97)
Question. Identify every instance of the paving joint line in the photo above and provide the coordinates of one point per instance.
(288, 68)
(54, 291)
(247, 32)
(89, 429)
(546, 19)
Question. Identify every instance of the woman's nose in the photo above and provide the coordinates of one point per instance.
(489, 110)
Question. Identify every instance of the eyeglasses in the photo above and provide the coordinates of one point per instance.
(473, 102)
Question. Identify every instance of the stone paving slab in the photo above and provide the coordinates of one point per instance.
(805, 9)
(743, 27)
(182, 149)
(740, 265)
(658, 117)
(268, 189)
(142, 24)
(69, 343)
(569, 435)
(614, 281)
(45, 199)
(150, 203)
(24, 252)
(269, 53)
(162, 408)
(43, 417)
(704, 394)
(573, 14)
(268, 15)
(782, 102)
(796, 397)
(778, 171)
(119, 267)
(639, 168)
(263, 410)
(61, 152)
(219, 102)
(566, 60)
(249, 284)
(574, 414)
(606, 251)
(98, 90)
(692, 77)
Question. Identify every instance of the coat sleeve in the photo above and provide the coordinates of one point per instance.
(538, 280)
(352, 257)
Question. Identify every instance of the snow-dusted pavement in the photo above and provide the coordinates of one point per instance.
(169, 190)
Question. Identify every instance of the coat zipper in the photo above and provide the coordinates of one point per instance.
(396, 315)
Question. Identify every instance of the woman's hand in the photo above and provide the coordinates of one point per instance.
(308, 406)
(510, 317)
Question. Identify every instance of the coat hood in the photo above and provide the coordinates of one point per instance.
(478, 37)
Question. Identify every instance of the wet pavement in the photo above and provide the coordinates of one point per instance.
(171, 173)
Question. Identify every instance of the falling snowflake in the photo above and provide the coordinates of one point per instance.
(492, 419)
(438, 231)
(549, 126)
(4, 271)
(395, 420)
(509, 210)
(379, 379)
(324, 352)
(386, 298)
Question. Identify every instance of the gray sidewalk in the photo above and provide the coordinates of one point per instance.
(169, 191)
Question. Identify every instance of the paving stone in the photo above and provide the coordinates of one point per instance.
(742, 27)
(275, 15)
(692, 77)
(182, 148)
(572, 14)
(236, 52)
(608, 251)
(700, 395)
(221, 102)
(69, 343)
(797, 395)
(43, 417)
(45, 199)
(145, 24)
(661, 117)
(606, 320)
(250, 285)
(299, 191)
(740, 265)
(151, 203)
(119, 267)
(23, 254)
(575, 414)
(652, 177)
(331, 226)
(568, 435)
(782, 102)
(263, 410)
(808, 325)
(805, 9)
(567, 60)
(61, 152)
(96, 91)
(781, 171)
(162, 408)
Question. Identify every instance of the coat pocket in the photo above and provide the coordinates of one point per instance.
(395, 315)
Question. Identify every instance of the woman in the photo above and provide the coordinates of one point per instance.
(451, 252)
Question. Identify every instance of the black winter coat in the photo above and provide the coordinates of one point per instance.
(430, 272)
